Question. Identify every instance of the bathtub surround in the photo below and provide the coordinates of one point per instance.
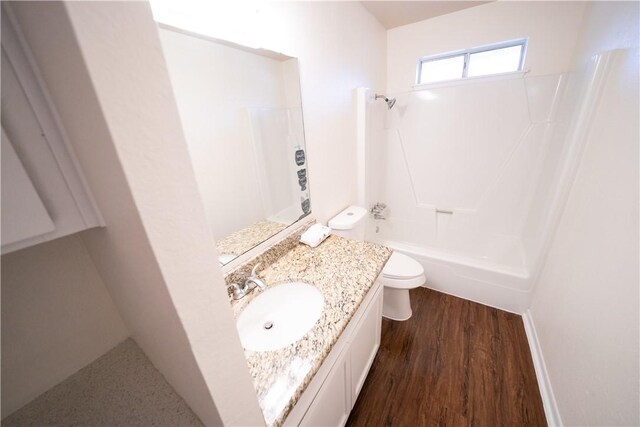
(465, 239)
(121, 388)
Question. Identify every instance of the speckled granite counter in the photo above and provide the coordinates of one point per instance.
(241, 241)
(344, 270)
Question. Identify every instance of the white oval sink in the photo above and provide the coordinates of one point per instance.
(279, 316)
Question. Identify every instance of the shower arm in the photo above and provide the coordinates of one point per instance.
(390, 102)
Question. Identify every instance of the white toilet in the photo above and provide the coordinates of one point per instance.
(400, 274)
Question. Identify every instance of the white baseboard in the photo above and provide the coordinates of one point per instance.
(546, 392)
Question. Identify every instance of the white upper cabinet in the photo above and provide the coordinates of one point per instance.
(23, 214)
(44, 194)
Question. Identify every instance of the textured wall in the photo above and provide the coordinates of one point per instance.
(57, 317)
(585, 304)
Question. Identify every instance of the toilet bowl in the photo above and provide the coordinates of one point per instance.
(400, 274)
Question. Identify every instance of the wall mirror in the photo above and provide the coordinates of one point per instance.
(241, 113)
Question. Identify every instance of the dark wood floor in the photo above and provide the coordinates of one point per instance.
(454, 363)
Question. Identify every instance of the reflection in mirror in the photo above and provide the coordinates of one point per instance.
(242, 118)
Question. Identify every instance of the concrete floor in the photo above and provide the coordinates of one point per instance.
(121, 388)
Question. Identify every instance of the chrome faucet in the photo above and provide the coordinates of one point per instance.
(255, 279)
(239, 291)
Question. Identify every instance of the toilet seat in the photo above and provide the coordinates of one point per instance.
(413, 283)
(402, 272)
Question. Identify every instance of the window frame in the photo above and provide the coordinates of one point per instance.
(466, 53)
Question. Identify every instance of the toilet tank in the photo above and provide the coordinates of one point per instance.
(350, 223)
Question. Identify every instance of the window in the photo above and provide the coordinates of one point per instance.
(480, 61)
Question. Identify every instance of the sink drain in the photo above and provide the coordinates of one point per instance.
(268, 325)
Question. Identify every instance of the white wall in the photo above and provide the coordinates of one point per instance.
(103, 64)
(340, 47)
(57, 317)
(585, 303)
(214, 85)
(552, 28)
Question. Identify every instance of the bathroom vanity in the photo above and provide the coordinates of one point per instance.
(316, 379)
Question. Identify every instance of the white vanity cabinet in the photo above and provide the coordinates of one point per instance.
(44, 194)
(332, 404)
(364, 345)
(330, 396)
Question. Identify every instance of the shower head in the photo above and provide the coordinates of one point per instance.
(390, 102)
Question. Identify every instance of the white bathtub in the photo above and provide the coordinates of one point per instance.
(489, 269)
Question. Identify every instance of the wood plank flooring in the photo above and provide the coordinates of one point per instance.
(454, 363)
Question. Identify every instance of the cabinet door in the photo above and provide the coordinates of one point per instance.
(29, 119)
(330, 406)
(23, 214)
(364, 345)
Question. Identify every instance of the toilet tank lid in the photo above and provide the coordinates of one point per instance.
(401, 266)
(348, 218)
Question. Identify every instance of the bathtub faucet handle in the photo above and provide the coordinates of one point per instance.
(379, 210)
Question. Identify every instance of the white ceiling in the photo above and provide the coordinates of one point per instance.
(396, 13)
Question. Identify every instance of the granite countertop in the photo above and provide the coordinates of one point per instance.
(344, 270)
(242, 240)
